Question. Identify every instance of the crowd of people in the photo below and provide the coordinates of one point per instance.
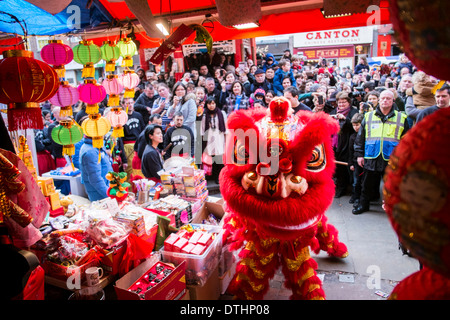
(374, 105)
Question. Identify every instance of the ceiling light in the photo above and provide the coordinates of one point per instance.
(246, 25)
(163, 26)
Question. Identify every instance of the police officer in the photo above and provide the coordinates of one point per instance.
(379, 134)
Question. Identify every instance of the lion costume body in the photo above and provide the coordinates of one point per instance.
(277, 184)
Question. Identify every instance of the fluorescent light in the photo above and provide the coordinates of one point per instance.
(246, 25)
(162, 28)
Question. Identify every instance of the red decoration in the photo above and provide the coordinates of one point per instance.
(417, 202)
(57, 54)
(9, 184)
(91, 93)
(171, 44)
(420, 27)
(24, 82)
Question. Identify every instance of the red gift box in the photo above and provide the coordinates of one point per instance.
(180, 244)
(170, 241)
(195, 237)
(170, 287)
(205, 239)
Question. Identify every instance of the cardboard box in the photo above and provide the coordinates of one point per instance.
(214, 206)
(170, 288)
(113, 257)
(209, 291)
(177, 219)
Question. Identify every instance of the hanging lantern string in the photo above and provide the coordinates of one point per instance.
(22, 24)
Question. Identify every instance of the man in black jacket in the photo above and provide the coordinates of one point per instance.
(260, 82)
(214, 93)
(144, 102)
(180, 138)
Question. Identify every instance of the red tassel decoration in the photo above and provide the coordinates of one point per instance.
(22, 118)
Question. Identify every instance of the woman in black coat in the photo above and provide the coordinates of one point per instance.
(152, 160)
(341, 145)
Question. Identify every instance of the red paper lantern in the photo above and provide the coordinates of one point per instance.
(91, 93)
(421, 29)
(24, 82)
(113, 88)
(65, 97)
(57, 54)
(129, 80)
(118, 118)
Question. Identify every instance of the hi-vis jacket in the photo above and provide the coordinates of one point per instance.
(378, 136)
(382, 136)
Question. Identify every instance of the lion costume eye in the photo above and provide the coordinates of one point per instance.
(317, 162)
(241, 155)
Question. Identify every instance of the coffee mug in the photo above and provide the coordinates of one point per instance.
(93, 276)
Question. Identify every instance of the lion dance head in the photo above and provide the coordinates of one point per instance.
(279, 167)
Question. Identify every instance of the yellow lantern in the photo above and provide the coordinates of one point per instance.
(96, 127)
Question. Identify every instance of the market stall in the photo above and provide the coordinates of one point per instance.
(172, 228)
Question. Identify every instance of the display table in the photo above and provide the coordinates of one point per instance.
(76, 187)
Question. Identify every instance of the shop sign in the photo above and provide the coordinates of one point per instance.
(333, 37)
(226, 46)
(337, 52)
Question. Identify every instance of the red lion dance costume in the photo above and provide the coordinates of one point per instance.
(417, 201)
(277, 185)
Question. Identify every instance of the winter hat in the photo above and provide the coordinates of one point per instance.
(260, 92)
(259, 71)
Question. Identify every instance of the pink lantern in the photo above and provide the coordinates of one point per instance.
(91, 93)
(118, 118)
(129, 80)
(65, 97)
(113, 88)
(57, 54)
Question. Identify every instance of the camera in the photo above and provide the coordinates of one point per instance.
(357, 94)
(367, 106)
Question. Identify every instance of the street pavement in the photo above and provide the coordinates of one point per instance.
(374, 265)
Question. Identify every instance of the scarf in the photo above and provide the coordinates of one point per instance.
(344, 111)
(238, 102)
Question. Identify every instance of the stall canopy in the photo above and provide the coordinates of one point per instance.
(76, 15)
(101, 20)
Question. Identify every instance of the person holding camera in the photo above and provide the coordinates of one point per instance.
(370, 103)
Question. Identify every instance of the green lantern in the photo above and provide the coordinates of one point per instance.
(127, 50)
(67, 134)
(110, 53)
(87, 53)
